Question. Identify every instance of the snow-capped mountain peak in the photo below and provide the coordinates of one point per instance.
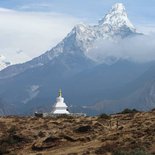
(84, 35)
(117, 19)
(114, 24)
(82, 39)
(118, 7)
(79, 28)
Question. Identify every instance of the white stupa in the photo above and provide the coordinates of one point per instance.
(60, 106)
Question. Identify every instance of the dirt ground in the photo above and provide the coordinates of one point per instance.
(78, 135)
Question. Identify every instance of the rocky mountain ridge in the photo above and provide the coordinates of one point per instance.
(81, 39)
(88, 86)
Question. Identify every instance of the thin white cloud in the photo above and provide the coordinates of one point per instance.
(147, 28)
(139, 49)
(36, 6)
(31, 32)
(5, 10)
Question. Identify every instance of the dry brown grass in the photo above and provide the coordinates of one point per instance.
(79, 135)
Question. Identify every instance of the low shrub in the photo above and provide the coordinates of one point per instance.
(83, 129)
(12, 130)
(109, 147)
(128, 111)
(3, 148)
(104, 116)
(153, 110)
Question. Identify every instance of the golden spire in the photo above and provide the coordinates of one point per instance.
(60, 93)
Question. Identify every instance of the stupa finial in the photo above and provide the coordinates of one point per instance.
(60, 93)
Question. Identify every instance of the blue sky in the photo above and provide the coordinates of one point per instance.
(138, 10)
(34, 26)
